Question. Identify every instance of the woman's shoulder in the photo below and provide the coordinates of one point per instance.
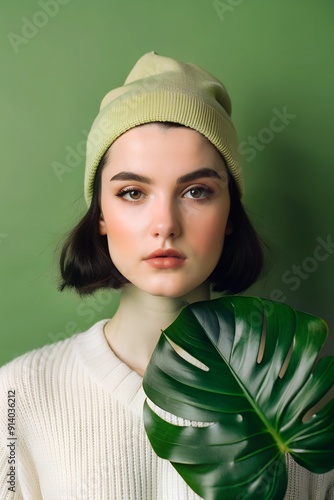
(42, 362)
(44, 380)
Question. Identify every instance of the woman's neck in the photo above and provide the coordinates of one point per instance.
(134, 330)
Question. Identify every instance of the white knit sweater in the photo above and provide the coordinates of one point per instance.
(79, 431)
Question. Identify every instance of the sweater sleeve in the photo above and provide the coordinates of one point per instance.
(303, 484)
(330, 491)
(9, 486)
(18, 478)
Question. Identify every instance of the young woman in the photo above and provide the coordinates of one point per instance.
(165, 225)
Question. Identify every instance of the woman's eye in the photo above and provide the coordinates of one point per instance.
(198, 193)
(130, 194)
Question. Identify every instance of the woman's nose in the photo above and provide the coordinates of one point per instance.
(165, 220)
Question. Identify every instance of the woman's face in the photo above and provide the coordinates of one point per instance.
(164, 190)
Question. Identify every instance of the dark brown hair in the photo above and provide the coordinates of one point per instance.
(86, 266)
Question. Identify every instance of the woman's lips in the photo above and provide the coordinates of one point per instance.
(165, 262)
(165, 259)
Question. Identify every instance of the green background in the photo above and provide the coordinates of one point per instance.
(56, 67)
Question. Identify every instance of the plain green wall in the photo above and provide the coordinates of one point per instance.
(271, 55)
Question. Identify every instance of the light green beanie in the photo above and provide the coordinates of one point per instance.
(161, 89)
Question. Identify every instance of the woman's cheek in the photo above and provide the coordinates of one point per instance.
(211, 235)
(121, 226)
(120, 234)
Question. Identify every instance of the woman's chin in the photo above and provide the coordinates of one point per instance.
(169, 288)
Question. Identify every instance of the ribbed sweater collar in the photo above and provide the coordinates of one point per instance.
(108, 371)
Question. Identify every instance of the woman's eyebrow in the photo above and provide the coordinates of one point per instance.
(202, 172)
(131, 176)
(192, 176)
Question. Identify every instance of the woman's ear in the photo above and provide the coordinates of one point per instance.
(102, 225)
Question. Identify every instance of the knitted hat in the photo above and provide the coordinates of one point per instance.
(161, 89)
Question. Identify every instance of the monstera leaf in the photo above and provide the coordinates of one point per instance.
(227, 413)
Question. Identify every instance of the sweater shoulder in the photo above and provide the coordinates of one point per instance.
(37, 360)
(41, 363)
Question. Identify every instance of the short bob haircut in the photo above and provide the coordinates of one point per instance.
(86, 265)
